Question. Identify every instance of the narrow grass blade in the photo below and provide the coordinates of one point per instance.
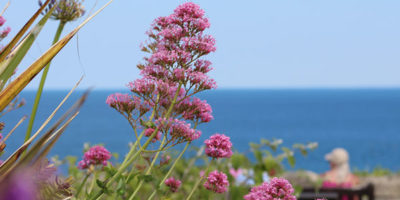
(19, 35)
(12, 130)
(10, 164)
(16, 86)
(49, 143)
(18, 153)
(9, 65)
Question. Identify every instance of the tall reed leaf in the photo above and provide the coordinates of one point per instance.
(19, 35)
(16, 86)
(8, 66)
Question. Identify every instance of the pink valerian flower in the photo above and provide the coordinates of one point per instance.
(177, 41)
(217, 182)
(173, 184)
(277, 188)
(179, 131)
(6, 30)
(127, 103)
(149, 131)
(121, 102)
(202, 66)
(202, 44)
(218, 146)
(201, 173)
(96, 155)
(165, 160)
(143, 86)
(235, 173)
(195, 110)
(2, 20)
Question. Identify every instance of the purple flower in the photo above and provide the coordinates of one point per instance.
(217, 182)
(218, 146)
(278, 188)
(173, 184)
(66, 10)
(19, 186)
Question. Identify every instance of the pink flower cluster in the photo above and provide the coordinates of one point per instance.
(96, 155)
(6, 30)
(179, 131)
(173, 184)
(195, 110)
(277, 188)
(165, 160)
(218, 146)
(148, 132)
(176, 44)
(127, 103)
(172, 73)
(217, 182)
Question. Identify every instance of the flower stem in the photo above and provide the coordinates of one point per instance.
(95, 175)
(82, 184)
(149, 169)
(41, 85)
(199, 181)
(170, 170)
(128, 161)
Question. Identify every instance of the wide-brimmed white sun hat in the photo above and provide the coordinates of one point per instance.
(337, 156)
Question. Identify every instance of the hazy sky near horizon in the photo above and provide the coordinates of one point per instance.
(260, 44)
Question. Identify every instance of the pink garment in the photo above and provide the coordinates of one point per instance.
(329, 184)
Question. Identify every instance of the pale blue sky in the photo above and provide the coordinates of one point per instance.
(260, 44)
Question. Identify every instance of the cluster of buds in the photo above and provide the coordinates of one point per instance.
(65, 10)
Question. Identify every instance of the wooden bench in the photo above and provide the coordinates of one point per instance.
(338, 193)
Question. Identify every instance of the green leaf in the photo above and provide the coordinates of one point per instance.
(5, 52)
(100, 184)
(16, 86)
(289, 153)
(146, 178)
(258, 155)
(292, 161)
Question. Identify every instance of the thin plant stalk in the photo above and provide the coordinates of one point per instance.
(95, 176)
(170, 170)
(41, 85)
(149, 169)
(199, 181)
(124, 164)
(82, 184)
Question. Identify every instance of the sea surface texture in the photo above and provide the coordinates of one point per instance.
(366, 122)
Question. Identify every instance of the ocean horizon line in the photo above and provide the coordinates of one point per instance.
(232, 88)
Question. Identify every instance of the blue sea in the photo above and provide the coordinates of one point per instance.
(366, 122)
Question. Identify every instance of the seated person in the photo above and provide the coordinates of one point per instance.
(339, 175)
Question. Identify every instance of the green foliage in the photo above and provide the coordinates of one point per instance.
(376, 172)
